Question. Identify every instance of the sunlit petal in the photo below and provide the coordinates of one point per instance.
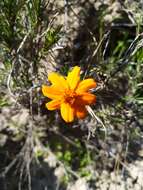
(67, 112)
(86, 99)
(73, 77)
(86, 85)
(51, 92)
(58, 80)
(54, 104)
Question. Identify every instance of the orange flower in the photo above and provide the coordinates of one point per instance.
(69, 94)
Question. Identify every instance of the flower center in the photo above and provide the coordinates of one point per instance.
(69, 96)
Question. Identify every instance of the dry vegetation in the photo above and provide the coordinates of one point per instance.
(38, 150)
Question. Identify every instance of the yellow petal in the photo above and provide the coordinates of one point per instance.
(86, 85)
(58, 80)
(51, 92)
(86, 99)
(81, 112)
(67, 112)
(73, 77)
(53, 105)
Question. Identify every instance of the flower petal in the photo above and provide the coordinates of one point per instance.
(86, 85)
(53, 105)
(58, 80)
(81, 112)
(67, 112)
(51, 92)
(73, 77)
(86, 99)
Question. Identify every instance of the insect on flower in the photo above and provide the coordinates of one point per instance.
(69, 94)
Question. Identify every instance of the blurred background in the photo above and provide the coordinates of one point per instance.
(38, 150)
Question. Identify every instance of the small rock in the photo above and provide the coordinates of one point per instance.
(59, 172)
(51, 160)
(21, 118)
(3, 139)
(80, 184)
